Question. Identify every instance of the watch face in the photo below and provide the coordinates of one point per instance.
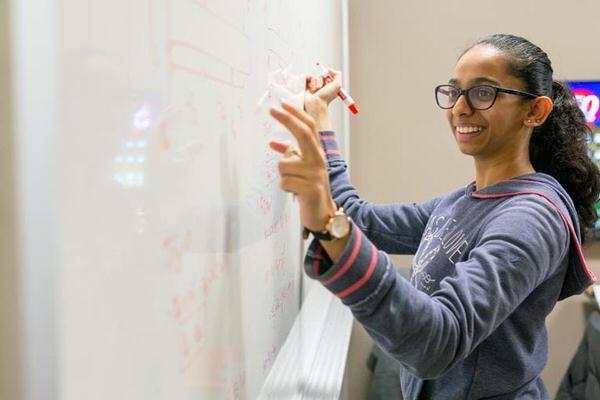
(340, 226)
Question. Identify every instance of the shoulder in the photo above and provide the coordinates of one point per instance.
(529, 220)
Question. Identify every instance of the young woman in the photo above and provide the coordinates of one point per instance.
(491, 259)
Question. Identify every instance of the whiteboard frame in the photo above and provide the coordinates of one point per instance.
(33, 93)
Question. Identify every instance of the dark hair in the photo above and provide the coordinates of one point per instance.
(559, 146)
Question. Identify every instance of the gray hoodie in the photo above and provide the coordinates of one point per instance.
(489, 266)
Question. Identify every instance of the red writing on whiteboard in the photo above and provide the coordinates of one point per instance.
(221, 108)
(213, 368)
(268, 127)
(240, 26)
(188, 342)
(227, 75)
(193, 300)
(265, 203)
(236, 388)
(281, 296)
(268, 360)
(281, 222)
(175, 246)
(191, 346)
(276, 266)
(271, 173)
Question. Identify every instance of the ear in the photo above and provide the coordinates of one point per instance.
(541, 107)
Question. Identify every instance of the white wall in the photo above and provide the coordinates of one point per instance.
(402, 149)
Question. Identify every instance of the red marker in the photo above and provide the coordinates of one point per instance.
(342, 94)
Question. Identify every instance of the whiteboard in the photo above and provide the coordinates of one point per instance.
(178, 258)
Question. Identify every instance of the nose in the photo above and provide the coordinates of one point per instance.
(462, 108)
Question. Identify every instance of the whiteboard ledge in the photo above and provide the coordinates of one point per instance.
(311, 362)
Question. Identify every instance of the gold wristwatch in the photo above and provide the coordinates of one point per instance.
(337, 227)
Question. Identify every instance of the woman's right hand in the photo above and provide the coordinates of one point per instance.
(318, 95)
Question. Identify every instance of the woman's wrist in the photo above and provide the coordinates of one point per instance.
(320, 113)
(324, 123)
(335, 248)
(323, 119)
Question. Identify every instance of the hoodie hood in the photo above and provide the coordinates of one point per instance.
(579, 276)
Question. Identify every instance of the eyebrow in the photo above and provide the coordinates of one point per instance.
(454, 81)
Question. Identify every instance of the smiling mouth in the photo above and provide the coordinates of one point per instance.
(468, 130)
(463, 133)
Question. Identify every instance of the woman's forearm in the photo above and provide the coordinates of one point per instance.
(334, 248)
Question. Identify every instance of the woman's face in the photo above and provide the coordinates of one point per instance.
(497, 133)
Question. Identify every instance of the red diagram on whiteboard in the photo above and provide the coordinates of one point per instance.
(206, 40)
(186, 55)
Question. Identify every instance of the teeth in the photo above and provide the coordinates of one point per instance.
(468, 129)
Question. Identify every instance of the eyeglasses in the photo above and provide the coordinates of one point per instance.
(480, 97)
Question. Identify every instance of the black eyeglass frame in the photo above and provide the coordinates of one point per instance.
(468, 99)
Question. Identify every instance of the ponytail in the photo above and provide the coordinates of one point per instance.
(559, 148)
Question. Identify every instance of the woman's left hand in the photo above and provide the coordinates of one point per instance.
(304, 171)
(320, 92)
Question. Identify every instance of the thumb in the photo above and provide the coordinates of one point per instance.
(332, 86)
(314, 83)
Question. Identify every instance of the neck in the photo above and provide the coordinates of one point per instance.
(490, 172)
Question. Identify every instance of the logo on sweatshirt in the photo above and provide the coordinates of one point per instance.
(442, 241)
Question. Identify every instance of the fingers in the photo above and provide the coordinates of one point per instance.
(336, 75)
(295, 184)
(314, 83)
(302, 127)
(286, 148)
(333, 83)
(294, 166)
(333, 86)
(278, 146)
(300, 114)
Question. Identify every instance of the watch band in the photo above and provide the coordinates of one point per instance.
(318, 235)
(328, 233)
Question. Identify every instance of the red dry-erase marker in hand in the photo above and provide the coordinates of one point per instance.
(342, 94)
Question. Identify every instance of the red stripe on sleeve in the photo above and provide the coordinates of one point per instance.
(332, 152)
(348, 262)
(317, 260)
(358, 284)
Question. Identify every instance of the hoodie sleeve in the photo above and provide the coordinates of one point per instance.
(394, 228)
(516, 251)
